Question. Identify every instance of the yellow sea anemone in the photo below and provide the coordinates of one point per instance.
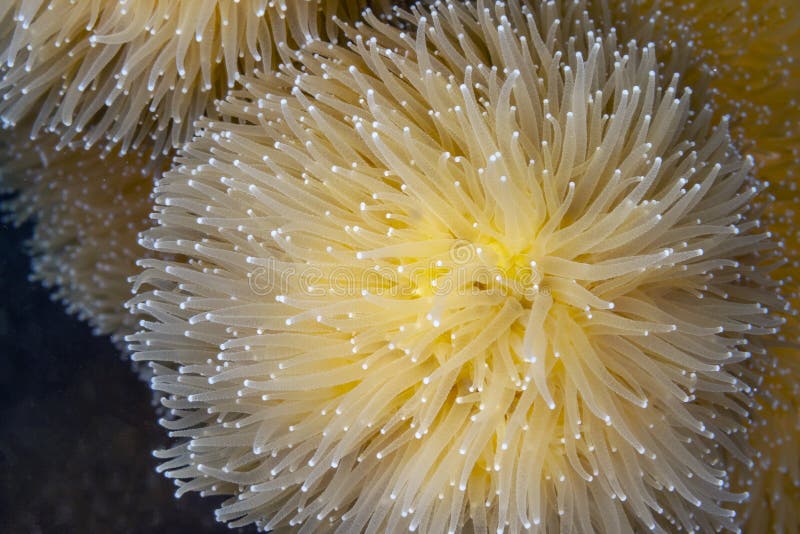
(88, 208)
(125, 70)
(492, 272)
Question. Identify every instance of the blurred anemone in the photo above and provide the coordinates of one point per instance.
(123, 71)
(774, 483)
(492, 272)
(87, 209)
(753, 52)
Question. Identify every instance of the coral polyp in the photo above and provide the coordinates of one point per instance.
(493, 271)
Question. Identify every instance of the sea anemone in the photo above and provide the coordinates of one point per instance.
(492, 272)
(87, 208)
(752, 52)
(122, 71)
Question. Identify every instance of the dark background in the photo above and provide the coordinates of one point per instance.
(76, 424)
